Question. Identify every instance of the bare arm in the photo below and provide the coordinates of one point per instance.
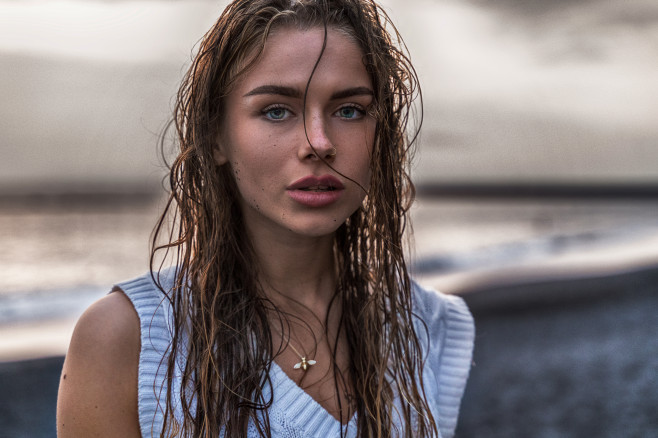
(98, 387)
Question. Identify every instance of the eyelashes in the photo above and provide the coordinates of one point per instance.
(351, 112)
(280, 112)
(276, 112)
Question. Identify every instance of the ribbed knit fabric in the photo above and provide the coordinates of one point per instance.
(294, 413)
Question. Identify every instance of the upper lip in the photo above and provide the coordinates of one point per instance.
(316, 181)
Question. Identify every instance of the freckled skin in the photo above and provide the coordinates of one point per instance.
(268, 155)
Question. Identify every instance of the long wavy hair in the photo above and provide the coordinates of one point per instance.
(220, 314)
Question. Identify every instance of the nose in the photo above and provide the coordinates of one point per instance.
(316, 144)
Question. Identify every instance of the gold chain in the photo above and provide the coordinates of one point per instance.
(304, 364)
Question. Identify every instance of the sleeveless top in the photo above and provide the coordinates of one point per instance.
(294, 413)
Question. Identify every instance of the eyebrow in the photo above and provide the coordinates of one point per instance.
(275, 90)
(349, 92)
(280, 90)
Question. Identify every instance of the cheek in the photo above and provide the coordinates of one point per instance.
(245, 150)
(254, 163)
(366, 158)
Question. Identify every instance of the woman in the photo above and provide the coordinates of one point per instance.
(289, 311)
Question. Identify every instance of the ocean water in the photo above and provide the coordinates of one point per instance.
(58, 259)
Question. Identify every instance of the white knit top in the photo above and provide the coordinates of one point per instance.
(294, 413)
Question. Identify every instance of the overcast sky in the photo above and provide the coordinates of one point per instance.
(514, 90)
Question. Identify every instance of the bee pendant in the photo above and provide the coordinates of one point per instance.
(304, 364)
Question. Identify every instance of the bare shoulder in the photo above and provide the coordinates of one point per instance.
(98, 386)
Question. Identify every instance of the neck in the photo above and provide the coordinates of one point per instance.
(297, 273)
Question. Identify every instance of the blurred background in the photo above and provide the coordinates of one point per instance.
(537, 176)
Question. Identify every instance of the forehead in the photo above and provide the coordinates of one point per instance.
(290, 54)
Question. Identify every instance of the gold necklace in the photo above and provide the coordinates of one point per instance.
(304, 364)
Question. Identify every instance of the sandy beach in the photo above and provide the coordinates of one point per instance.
(578, 361)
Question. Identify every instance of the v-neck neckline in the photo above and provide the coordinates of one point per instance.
(299, 407)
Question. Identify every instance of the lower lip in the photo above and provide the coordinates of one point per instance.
(311, 198)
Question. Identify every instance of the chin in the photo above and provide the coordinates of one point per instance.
(317, 229)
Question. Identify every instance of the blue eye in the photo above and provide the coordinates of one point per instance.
(276, 113)
(349, 112)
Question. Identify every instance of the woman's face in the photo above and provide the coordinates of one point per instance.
(284, 185)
